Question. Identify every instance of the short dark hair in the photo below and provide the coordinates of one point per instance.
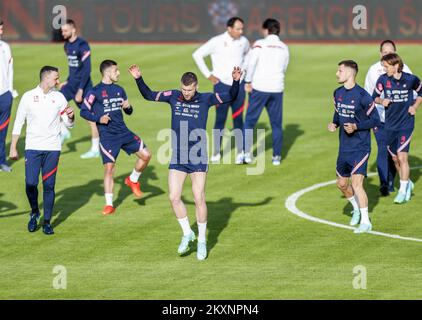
(232, 21)
(46, 70)
(189, 78)
(350, 64)
(272, 25)
(107, 64)
(71, 22)
(388, 42)
(392, 59)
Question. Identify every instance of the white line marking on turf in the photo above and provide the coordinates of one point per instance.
(291, 206)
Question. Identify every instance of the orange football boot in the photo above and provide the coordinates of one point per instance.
(136, 187)
(108, 210)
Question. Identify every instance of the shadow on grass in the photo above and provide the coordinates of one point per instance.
(71, 145)
(21, 151)
(290, 134)
(74, 198)
(6, 206)
(371, 185)
(219, 213)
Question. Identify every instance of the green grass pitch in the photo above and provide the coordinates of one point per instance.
(257, 248)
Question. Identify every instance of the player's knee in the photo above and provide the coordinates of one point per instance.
(175, 199)
(147, 156)
(109, 171)
(402, 158)
(395, 159)
(342, 185)
(357, 185)
(199, 199)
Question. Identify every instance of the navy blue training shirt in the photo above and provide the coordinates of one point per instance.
(400, 92)
(355, 105)
(187, 116)
(103, 99)
(79, 60)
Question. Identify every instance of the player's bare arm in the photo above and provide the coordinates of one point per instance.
(350, 127)
(79, 95)
(237, 73)
(332, 127)
(13, 154)
(105, 119)
(134, 71)
(214, 80)
(415, 106)
(70, 113)
(384, 102)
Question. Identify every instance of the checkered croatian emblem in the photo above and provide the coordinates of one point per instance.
(220, 11)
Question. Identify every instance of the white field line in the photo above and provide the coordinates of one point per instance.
(291, 206)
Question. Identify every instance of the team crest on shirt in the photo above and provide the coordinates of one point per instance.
(388, 84)
(104, 94)
(36, 98)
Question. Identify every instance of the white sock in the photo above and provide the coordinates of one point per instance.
(184, 223)
(109, 199)
(403, 186)
(202, 228)
(354, 203)
(364, 216)
(95, 144)
(134, 177)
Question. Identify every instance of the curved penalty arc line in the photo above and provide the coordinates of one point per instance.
(291, 201)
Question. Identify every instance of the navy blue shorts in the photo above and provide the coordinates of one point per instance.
(110, 147)
(350, 163)
(399, 141)
(70, 89)
(189, 168)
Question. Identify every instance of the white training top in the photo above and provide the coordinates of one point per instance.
(226, 53)
(42, 112)
(6, 68)
(268, 63)
(374, 72)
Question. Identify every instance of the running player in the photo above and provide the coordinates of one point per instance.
(355, 115)
(385, 164)
(79, 81)
(397, 87)
(189, 112)
(103, 106)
